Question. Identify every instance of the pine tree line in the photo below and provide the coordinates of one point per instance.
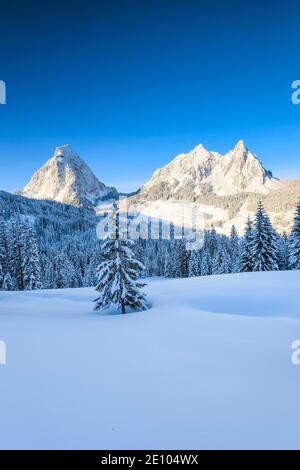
(20, 264)
(263, 249)
(50, 245)
(67, 246)
(260, 249)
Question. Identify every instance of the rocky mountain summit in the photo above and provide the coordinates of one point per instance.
(193, 174)
(66, 178)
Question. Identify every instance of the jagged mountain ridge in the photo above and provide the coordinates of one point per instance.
(195, 173)
(222, 189)
(66, 178)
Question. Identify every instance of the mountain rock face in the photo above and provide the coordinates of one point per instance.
(198, 172)
(203, 189)
(66, 178)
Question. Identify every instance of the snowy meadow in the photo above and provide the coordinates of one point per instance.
(207, 366)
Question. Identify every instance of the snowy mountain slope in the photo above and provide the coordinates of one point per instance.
(222, 212)
(220, 190)
(209, 189)
(208, 366)
(66, 178)
(199, 171)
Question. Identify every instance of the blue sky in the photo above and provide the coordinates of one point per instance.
(130, 84)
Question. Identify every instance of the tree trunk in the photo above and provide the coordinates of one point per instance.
(123, 307)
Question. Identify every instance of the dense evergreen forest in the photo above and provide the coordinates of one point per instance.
(45, 244)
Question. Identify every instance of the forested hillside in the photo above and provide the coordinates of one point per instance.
(46, 244)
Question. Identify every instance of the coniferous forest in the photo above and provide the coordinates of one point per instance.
(49, 245)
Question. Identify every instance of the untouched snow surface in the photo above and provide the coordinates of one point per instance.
(208, 366)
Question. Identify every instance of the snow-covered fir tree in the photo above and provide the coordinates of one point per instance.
(31, 264)
(90, 276)
(221, 262)
(283, 251)
(3, 245)
(235, 266)
(264, 248)
(64, 272)
(2, 276)
(118, 275)
(294, 241)
(246, 263)
(47, 272)
(182, 254)
(194, 263)
(173, 263)
(206, 262)
(15, 251)
(211, 241)
(9, 283)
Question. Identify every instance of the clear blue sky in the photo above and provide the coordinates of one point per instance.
(130, 84)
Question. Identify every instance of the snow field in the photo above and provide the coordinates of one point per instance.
(208, 366)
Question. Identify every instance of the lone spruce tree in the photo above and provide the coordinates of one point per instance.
(118, 275)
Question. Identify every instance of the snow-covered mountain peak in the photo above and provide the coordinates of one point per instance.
(240, 147)
(199, 151)
(247, 161)
(65, 151)
(241, 151)
(67, 178)
(200, 171)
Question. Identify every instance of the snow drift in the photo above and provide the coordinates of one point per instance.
(208, 366)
